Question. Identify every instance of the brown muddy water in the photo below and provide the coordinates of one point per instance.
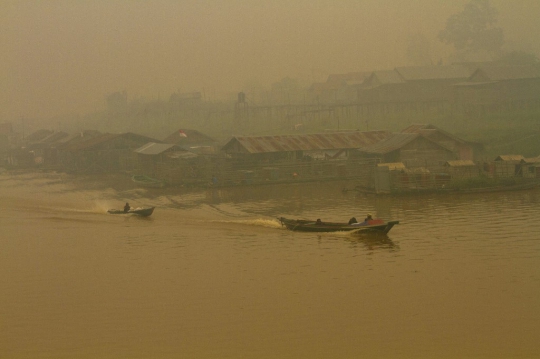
(213, 275)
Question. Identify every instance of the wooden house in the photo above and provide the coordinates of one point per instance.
(105, 153)
(300, 147)
(193, 141)
(464, 150)
(38, 135)
(78, 137)
(165, 161)
(318, 156)
(530, 167)
(387, 175)
(45, 151)
(338, 88)
(412, 149)
(507, 166)
(498, 89)
(37, 149)
(386, 86)
(411, 89)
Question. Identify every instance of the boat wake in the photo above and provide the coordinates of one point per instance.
(258, 222)
(98, 207)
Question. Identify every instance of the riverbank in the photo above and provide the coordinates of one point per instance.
(121, 182)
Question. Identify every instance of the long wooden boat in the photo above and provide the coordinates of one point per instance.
(141, 211)
(371, 226)
(146, 181)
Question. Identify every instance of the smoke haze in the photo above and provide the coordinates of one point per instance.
(66, 56)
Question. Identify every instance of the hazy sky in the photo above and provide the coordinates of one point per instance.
(62, 57)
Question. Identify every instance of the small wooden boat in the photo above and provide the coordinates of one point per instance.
(146, 181)
(140, 211)
(371, 226)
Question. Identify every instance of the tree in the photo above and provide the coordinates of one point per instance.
(473, 31)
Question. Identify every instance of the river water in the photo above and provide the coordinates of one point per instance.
(212, 274)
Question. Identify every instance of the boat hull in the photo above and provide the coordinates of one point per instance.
(375, 226)
(144, 212)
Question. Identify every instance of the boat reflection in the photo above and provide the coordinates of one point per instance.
(366, 241)
(372, 241)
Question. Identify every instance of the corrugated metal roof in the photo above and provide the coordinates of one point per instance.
(414, 128)
(460, 163)
(428, 130)
(499, 73)
(78, 138)
(38, 135)
(92, 142)
(446, 72)
(85, 145)
(531, 160)
(152, 148)
(515, 158)
(326, 141)
(392, 143)
(55, 137)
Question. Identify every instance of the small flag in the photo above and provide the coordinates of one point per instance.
(182, 133)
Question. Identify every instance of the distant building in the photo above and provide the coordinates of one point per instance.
(186, 97)
(6, 133)
(338, 88)
(411, 89)
(495, 89)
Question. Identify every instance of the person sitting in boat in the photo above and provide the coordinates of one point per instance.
(368, 218)
(352, 220)
(127, 208)
(318, 221)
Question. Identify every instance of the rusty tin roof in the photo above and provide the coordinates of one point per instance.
(152, 148)
(509, 158)
(321, 141)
